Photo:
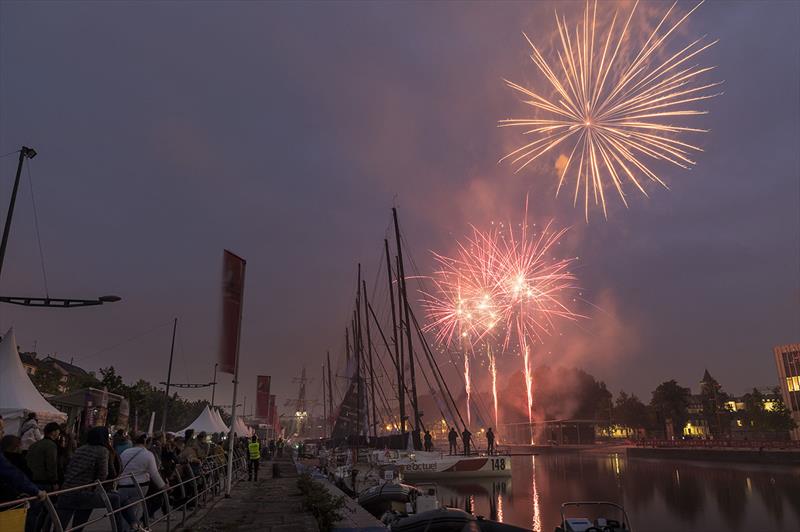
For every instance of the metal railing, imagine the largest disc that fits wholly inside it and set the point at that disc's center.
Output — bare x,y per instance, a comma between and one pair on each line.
721,443
192,493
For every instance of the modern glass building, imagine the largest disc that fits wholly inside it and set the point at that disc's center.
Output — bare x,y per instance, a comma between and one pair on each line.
787,359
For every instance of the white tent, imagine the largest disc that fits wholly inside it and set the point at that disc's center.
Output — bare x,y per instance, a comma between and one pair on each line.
222,426
205,422
240,428
18,395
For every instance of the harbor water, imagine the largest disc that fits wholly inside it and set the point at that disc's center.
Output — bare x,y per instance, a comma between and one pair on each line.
659,495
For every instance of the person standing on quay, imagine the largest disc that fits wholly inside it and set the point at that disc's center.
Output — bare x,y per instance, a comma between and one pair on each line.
254,451
452,437
490,441
467,437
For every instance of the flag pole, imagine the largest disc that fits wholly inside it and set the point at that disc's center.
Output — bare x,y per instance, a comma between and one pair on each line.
232,432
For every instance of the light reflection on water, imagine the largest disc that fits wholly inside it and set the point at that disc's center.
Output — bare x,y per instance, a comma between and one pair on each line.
659,495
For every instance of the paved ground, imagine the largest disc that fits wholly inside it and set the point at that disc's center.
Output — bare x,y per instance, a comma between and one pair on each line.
269,505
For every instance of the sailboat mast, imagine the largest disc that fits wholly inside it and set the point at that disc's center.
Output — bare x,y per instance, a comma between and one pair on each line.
330,396
371,369
359,353
324,405
398,355
404,291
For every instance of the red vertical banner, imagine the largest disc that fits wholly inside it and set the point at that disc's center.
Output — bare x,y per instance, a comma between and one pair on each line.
232,292
273,414
262,396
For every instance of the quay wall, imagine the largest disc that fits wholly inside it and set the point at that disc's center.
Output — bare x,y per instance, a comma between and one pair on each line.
749,456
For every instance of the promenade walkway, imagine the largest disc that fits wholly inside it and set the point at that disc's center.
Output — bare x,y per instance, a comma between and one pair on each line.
268,505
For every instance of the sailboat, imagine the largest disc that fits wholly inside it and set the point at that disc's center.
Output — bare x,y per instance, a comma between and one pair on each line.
354,423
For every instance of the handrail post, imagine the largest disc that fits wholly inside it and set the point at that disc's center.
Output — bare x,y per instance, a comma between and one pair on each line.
107,502
51,510
145,516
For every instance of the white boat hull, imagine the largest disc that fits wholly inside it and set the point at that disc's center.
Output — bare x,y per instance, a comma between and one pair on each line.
455,466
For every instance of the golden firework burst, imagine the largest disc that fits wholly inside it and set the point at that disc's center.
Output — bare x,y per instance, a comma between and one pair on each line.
613,116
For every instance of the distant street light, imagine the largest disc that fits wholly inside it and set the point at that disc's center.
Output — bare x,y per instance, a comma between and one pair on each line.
29,153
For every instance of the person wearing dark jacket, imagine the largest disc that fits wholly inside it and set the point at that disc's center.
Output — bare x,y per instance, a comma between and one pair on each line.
428,441
88,464
452,437
490,441
466,437
42,460
13,482
12,449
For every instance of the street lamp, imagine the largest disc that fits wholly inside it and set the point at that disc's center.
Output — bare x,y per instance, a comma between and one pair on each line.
29,153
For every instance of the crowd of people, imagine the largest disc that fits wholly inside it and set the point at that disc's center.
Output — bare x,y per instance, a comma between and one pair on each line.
37,461
466,439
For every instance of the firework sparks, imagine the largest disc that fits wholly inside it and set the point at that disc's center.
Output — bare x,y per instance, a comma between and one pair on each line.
611,116
501,282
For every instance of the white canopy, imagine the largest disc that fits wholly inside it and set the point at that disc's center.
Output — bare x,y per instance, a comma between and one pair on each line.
18,395
222,426
205,422
240,428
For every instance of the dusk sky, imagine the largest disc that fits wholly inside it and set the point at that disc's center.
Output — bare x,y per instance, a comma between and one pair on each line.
286,132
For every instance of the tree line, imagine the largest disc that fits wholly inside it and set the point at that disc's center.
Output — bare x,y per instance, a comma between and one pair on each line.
143,398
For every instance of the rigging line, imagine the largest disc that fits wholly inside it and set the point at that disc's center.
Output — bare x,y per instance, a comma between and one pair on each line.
38,235
380,386
386,343
9,153
132,338
432,390
444,389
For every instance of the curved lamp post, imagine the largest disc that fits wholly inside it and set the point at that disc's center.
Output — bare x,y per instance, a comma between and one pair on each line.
29,153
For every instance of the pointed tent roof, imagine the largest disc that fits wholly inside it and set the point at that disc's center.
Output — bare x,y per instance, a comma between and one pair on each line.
205,422
240,428
17,392
220,423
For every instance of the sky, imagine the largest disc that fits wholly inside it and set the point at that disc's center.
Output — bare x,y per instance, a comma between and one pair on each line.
285,132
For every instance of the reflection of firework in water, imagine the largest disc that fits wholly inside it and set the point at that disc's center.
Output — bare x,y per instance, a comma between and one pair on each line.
502,282
611,114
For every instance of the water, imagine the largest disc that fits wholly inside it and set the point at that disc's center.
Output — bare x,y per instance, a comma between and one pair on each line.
659,495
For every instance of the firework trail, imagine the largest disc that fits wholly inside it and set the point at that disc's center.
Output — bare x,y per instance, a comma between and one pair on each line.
467,386
493,370
613,115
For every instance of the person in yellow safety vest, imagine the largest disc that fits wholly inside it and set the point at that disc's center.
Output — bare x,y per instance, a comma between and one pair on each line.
254,451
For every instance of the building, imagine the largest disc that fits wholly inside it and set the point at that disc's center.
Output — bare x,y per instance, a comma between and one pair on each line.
787,360
696,425
29,362
65,370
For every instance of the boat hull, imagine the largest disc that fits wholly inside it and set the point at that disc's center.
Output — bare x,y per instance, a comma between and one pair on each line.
456,466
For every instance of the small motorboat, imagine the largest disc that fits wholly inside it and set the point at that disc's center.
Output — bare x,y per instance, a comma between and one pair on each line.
387,497
594,524
449,520
439,520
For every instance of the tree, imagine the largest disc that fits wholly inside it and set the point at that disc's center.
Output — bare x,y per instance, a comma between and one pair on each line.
47,379
670,401
715,411
779,419
629,411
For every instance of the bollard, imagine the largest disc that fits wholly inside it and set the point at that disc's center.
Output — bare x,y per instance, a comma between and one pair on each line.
276,471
